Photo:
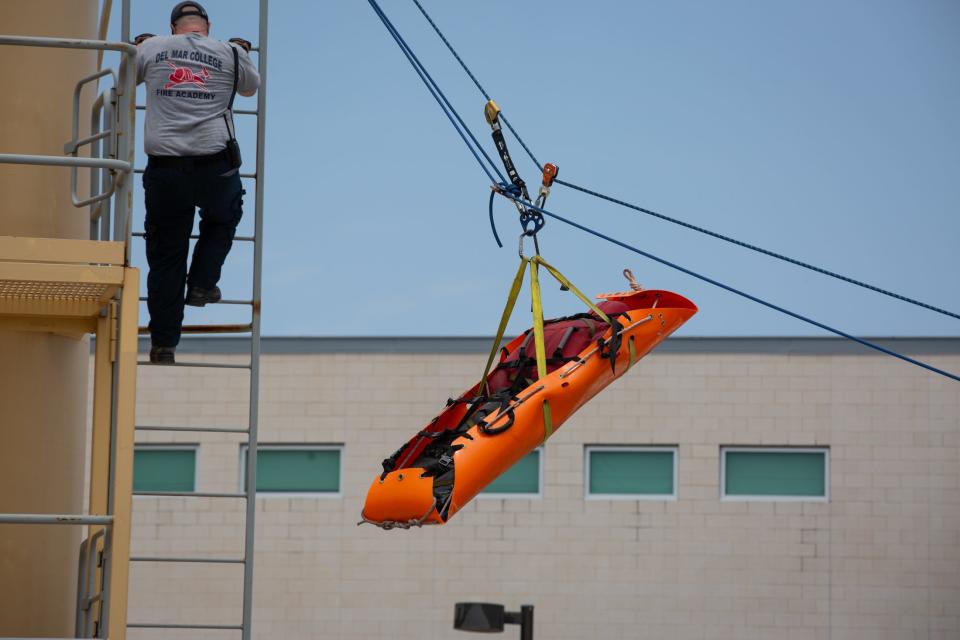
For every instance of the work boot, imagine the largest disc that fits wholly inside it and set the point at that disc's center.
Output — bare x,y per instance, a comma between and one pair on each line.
162,355
199,297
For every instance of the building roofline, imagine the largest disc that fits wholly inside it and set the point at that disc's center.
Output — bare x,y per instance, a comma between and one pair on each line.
282,345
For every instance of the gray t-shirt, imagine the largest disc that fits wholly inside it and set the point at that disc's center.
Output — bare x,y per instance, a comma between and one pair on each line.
189,81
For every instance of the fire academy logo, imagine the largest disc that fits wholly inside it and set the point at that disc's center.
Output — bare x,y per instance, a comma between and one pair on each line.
184,75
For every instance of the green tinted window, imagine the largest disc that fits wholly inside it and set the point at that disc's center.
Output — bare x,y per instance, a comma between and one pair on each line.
775,473
523,477
164,469
298,470
630,472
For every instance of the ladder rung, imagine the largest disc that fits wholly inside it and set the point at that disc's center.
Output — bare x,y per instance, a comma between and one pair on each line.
204,560
158,625
246,302
191,429
51,518
141,234
188,494
242,175
208,328
203,365
236,112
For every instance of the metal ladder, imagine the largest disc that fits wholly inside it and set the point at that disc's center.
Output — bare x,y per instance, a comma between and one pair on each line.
253,329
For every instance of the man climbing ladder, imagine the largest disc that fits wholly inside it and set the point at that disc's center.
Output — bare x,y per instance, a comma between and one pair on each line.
193,162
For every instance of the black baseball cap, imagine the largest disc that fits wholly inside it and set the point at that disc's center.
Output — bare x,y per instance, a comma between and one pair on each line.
179,11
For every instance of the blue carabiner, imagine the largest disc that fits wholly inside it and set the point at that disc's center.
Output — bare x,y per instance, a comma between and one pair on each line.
531,221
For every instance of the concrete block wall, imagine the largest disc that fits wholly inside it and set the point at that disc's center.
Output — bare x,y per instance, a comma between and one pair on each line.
881,559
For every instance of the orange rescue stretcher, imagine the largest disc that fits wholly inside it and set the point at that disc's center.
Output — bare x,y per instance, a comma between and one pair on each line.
515,407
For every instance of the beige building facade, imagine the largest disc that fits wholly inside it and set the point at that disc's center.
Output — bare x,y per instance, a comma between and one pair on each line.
874,553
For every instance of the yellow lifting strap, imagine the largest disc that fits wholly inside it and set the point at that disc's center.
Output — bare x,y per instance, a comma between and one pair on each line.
547,420
504,319
537,307
569,285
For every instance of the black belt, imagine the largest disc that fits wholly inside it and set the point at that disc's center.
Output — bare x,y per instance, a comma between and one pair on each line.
187,162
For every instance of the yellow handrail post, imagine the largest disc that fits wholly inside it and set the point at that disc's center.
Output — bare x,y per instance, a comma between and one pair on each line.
125,407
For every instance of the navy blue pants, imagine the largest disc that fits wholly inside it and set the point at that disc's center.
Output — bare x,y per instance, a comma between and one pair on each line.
174,189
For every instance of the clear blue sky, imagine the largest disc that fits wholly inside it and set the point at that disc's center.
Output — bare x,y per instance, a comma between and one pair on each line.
827,131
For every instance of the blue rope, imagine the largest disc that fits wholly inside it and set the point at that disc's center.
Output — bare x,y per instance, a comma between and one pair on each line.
438,95
661,216
765,252
520,140
477,83
743,294
493,225
452,50
516,198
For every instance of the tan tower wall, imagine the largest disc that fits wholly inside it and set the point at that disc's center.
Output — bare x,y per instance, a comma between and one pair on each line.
43,377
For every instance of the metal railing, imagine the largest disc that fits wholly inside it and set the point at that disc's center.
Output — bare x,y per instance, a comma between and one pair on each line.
101,116
118,106
91,558
96,135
